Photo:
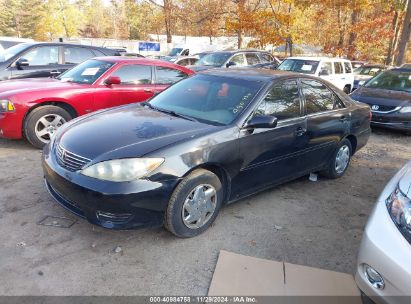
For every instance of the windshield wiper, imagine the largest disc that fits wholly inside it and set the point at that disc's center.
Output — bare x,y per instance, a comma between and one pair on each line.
170,112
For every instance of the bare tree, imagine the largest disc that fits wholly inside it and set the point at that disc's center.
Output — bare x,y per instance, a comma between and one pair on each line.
405,35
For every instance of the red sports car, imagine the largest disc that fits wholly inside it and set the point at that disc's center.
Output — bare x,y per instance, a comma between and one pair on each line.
35,108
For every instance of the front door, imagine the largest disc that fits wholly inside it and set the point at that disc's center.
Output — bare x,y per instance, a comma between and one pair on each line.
327,122
42,62
136,86
272,155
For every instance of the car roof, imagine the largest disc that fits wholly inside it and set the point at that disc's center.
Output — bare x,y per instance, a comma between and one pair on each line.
238,51
66,44
316,58
401,70
138,60
251,73
373,66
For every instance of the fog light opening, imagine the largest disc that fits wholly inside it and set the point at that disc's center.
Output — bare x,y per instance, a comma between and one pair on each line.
373,277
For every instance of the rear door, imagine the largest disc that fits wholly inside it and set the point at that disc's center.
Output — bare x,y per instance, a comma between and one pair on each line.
73,55
328,122
42,61
272,155
136,86
166,76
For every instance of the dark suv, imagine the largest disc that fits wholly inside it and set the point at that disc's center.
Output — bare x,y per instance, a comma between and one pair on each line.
237,58
38,59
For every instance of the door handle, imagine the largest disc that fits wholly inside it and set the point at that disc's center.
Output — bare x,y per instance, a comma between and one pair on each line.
300,131
148,91
55,72
343,118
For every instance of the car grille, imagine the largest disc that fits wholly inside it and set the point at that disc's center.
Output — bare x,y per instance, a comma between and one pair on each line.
70,161
382,108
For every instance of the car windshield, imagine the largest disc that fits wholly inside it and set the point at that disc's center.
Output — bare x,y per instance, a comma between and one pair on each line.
214,59
367,71
87,72
12,51
215,100
175,51
299,66
392,80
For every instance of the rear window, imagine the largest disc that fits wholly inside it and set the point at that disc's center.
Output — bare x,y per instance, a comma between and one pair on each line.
347,67
299,66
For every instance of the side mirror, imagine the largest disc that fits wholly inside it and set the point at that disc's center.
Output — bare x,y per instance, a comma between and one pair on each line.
230,64
324,73
112,80
22,63
262,122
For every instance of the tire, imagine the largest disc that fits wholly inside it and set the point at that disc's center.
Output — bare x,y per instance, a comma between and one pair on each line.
332,171
36,123
177,216
347,89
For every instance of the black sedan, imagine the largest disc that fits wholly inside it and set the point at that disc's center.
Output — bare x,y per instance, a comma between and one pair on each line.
205,142
389,96
45,59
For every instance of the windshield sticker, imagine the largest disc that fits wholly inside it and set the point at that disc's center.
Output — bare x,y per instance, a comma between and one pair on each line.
90,72
242,103
306,67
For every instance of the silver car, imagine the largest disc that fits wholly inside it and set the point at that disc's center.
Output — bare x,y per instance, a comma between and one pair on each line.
384,261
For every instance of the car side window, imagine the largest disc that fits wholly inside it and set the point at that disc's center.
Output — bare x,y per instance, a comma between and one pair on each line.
338,68
238,59
134,74
283,101
252,58
326,66
75,55
347,67
168,75
318,97
42,55
265,58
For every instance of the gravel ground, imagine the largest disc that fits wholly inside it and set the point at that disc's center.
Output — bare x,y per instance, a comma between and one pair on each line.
316,224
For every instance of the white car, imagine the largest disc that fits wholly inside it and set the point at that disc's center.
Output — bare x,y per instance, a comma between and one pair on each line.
384,260
337,71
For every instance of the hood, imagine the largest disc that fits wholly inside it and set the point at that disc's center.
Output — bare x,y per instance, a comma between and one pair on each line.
129,131
405,182
12,87
198,68
382,97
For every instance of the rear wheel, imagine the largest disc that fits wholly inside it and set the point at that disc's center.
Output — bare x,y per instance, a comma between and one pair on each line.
194,204
340,160
42,123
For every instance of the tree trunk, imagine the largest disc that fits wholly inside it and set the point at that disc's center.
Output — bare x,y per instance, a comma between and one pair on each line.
239,39
353,35
167,19
405,35
391,47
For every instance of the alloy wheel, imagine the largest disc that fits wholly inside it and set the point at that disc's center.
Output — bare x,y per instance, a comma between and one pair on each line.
342,159
199,206
47,125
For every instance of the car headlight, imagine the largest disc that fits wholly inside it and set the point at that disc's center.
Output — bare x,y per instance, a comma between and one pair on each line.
6,106
399,208
123,170
405,109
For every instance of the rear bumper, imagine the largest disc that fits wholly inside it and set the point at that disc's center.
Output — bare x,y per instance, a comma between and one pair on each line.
10,125
129,205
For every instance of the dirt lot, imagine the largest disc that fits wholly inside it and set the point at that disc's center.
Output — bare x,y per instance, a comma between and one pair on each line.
311,223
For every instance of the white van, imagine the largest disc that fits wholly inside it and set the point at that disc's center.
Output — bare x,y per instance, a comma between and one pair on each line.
335,70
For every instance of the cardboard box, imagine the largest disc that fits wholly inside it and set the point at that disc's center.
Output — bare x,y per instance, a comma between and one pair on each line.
239,275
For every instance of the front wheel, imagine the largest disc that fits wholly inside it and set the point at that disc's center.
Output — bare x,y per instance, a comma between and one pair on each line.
42,123
194,204
340,160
